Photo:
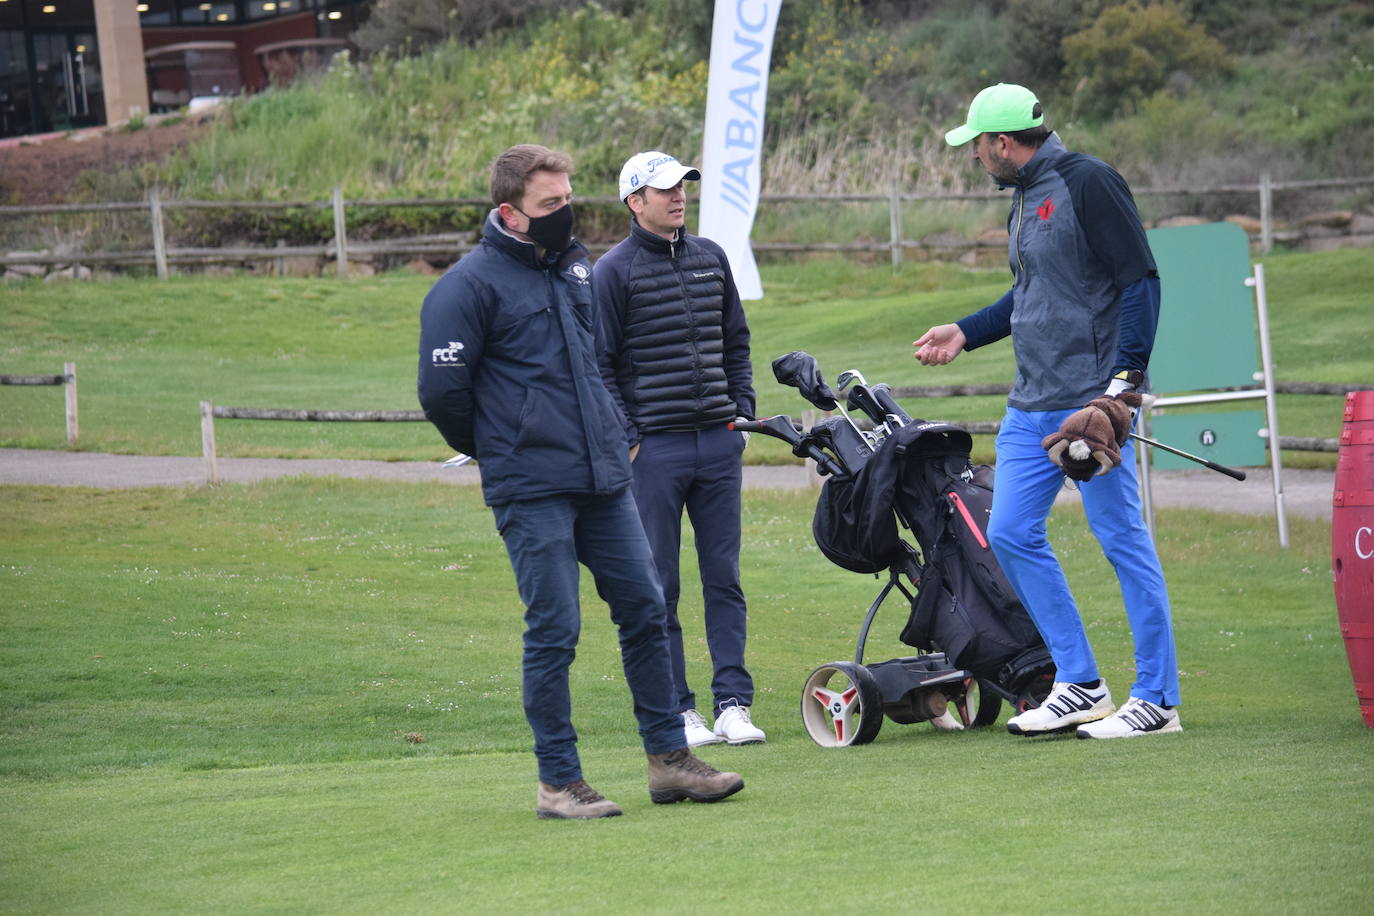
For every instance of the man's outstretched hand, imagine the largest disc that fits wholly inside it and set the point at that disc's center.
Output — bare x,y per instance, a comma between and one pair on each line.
939,345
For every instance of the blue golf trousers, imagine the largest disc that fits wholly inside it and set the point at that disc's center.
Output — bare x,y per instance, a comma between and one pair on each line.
1026,485
546,539
700,471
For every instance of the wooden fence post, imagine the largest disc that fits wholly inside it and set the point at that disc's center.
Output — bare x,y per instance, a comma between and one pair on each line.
69,385
159,240
894,220
340,234
1266,193
207,442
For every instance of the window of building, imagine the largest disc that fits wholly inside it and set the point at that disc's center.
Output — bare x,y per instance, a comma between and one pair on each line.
156,12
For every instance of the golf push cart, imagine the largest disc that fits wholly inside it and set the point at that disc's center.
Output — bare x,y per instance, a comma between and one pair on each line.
976,644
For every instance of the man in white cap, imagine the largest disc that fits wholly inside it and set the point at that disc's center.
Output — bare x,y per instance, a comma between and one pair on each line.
674,350
1081,314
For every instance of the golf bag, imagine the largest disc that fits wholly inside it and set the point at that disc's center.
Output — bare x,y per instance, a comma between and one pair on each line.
978,647
964,606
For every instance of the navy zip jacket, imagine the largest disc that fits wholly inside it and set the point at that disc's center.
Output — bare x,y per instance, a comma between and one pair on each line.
1085,301
674,343
508,372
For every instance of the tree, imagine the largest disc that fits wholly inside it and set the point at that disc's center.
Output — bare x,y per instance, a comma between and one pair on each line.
1036,37
1132,51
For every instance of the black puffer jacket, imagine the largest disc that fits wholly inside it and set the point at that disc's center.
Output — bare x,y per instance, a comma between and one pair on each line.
672,337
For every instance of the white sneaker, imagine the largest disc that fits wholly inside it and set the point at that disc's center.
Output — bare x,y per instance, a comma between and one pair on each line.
698,735
1066,706
734,725
1138,717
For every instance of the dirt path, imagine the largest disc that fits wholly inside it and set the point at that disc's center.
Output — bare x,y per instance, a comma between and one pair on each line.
1307,493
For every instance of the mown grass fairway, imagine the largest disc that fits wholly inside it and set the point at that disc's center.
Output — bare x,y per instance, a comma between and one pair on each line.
303,696
207,697
147,353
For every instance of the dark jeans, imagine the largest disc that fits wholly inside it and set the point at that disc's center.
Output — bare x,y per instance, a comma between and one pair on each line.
699,471
546,539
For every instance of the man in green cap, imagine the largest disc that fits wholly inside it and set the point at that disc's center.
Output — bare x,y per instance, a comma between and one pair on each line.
1081,314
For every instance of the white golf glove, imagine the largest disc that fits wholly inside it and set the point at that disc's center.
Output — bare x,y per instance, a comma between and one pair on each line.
743,433
1129,381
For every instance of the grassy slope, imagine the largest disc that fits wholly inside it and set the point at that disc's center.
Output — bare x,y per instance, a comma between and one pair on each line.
148,352
207,693
858,99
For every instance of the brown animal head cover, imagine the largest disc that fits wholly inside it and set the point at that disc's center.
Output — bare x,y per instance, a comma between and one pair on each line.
1089,440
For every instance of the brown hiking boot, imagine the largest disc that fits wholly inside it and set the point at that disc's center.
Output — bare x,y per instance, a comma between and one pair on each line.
677,775
575,800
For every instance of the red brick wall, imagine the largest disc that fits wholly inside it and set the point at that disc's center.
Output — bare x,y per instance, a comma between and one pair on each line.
248,36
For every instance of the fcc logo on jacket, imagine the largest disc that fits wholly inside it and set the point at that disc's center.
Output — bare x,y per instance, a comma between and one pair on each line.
451,356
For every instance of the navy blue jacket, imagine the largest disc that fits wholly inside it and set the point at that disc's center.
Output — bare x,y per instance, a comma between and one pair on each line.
508,372
674,343
1085,301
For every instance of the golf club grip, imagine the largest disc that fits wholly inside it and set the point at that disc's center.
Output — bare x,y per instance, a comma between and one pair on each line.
826,465
1212,465
882,393
800,447
861,399
1229,472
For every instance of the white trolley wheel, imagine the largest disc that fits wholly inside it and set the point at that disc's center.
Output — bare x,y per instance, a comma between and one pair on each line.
976,706
841,705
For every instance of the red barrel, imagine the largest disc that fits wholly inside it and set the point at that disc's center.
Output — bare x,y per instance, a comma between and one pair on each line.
1352,544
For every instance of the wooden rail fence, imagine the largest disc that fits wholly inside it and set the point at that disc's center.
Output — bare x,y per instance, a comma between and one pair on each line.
340,249
209,412
67,379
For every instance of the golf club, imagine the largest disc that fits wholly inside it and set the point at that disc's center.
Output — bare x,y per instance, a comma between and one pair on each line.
781,427
1221,468
882,393
877,402
850,375
799,370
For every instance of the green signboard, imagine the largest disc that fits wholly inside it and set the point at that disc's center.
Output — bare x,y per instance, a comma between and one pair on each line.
1208,339
1207,336
1231,438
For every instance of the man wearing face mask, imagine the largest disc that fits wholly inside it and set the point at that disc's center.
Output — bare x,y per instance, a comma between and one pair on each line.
508,374
674,351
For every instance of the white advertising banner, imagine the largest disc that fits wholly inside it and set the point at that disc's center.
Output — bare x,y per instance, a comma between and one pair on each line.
741,47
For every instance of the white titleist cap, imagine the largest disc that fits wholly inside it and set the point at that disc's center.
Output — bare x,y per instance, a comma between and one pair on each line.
655,169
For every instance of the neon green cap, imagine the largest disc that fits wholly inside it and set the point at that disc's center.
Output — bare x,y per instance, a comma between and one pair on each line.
1001,109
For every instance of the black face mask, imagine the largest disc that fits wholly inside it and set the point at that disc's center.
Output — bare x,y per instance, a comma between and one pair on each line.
552,231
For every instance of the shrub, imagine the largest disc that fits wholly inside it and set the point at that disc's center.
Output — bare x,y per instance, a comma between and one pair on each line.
1037,29
1313,110
1170,141
412,26
1131,52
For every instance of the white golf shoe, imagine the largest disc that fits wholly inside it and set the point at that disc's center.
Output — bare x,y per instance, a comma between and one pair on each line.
698,735
734,726
1137,718
1067,706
